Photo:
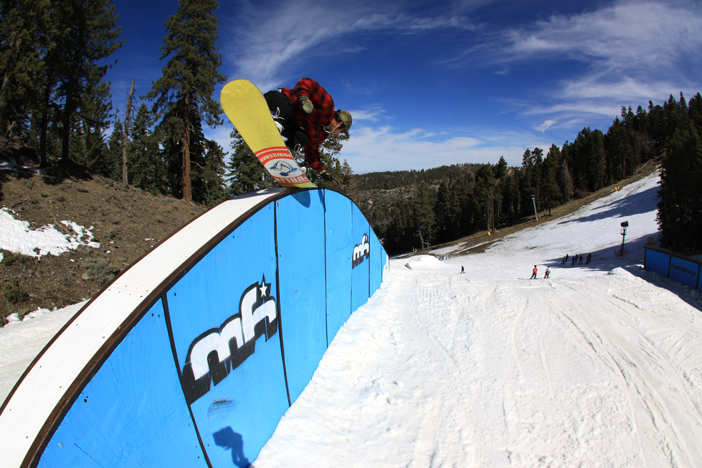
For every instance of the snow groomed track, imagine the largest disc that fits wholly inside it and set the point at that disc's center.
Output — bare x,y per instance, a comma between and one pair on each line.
192,356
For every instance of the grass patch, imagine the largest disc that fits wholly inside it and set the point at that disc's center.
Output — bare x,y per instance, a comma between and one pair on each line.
15,294
100,270
10,258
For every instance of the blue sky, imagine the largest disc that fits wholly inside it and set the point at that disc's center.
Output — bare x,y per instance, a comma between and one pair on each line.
436,83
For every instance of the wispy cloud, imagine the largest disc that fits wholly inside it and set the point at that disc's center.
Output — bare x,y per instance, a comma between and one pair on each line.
546,124
272,40
371,113
627,38
632,52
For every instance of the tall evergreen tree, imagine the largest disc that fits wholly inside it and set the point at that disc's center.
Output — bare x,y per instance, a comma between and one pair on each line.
21,63
328,152
245,173
443,213
551,195
680,206
89,35
95,107
183,93
145,164
208,181
695,112
108,164
486,197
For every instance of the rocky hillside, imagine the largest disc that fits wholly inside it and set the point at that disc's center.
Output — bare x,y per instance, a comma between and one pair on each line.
126,222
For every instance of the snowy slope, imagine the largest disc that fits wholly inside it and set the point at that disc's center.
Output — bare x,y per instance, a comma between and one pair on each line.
600,365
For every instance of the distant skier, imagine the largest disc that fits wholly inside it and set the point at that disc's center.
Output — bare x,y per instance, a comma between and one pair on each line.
534,272
462,269
589,258
548,272
305,116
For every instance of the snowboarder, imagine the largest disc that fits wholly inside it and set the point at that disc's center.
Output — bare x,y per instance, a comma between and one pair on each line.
305,116
548,272
462,269
534,272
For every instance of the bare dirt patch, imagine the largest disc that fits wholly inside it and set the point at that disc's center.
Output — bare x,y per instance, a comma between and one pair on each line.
125,221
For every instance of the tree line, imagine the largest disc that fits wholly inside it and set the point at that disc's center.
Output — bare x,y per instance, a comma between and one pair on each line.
53,99
495,195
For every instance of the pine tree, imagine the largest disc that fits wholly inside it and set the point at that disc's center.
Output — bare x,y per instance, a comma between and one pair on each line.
21,63
565,181
328,151
245,173
509,194
145,164
184,92
423,212
695,112
551,195
680,207
108,164
442,210
486,196
95,107
88,36
208,182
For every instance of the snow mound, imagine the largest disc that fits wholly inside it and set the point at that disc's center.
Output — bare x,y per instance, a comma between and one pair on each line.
427,262
18,237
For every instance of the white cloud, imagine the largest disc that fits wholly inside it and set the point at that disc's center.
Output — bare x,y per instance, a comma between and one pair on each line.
373,149
545,125
371,113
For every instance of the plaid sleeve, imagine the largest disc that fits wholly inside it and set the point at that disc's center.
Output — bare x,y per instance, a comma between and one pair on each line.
313,123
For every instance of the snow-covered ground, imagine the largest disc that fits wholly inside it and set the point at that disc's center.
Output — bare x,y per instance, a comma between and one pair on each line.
599,365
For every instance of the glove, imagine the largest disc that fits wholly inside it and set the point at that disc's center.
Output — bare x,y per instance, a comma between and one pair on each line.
325,175
307,105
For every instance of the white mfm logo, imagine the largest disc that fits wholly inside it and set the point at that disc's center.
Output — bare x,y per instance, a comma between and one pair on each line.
361,251
233,342
240,328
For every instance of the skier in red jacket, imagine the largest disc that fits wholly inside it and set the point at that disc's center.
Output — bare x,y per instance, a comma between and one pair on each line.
305,116
534,272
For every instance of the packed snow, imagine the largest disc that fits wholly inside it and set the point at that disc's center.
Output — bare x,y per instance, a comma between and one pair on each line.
18,236
598,365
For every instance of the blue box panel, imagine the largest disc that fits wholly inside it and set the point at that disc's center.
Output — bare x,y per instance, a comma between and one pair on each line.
360,279
684,271
225,323
338,228
121,414
657,262
238,416
301,270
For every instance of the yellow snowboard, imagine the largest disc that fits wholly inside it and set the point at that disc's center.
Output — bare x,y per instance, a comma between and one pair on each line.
247,109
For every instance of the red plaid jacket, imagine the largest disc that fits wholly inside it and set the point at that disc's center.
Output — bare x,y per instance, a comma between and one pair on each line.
312,123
